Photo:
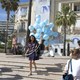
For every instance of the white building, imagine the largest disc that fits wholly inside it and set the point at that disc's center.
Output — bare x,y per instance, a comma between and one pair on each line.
48,10
56,5
42,8
21,19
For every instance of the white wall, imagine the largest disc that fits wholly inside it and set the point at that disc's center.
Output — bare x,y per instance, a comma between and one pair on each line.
42,7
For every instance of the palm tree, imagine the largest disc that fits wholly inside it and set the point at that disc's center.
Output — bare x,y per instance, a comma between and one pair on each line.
65,18
29,19
8,5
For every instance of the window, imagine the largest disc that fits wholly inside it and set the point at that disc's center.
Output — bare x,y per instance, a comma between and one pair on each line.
22,28
23,11
77,7
55,50
61,50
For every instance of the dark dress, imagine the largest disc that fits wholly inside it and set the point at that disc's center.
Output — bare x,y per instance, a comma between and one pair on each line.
32,47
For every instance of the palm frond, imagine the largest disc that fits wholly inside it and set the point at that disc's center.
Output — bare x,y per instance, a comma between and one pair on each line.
66,17
65,9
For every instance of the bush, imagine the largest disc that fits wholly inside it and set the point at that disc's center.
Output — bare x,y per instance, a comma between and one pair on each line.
9,44
2,46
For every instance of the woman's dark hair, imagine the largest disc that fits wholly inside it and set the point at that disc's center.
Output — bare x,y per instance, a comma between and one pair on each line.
29,40
78,42
75,53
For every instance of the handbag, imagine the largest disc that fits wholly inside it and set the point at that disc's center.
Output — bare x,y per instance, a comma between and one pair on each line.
68,76
37,52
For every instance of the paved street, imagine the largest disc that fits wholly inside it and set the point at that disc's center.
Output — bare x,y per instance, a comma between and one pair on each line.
16,67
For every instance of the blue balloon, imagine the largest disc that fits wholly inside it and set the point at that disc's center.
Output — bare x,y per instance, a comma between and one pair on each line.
46,43
55,34
37,35
50,33
42,24
51,25
45,37
36,26
46,21
46,30
38,19
39,30
38,40
31,28
38,16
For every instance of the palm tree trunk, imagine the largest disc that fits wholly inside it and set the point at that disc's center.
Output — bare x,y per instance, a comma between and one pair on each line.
29,20
64,45
6,35
68,49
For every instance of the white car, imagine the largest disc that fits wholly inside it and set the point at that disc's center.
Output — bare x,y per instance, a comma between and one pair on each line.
2,43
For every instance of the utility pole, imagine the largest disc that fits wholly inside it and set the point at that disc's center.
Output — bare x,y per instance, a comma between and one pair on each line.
29,20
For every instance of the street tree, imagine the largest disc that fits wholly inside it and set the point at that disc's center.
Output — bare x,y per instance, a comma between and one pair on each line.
8,5
65,18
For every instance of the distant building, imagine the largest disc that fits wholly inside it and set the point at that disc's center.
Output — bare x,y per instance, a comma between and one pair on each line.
10,27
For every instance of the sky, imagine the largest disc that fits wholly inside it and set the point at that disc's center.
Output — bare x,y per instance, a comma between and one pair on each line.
3,12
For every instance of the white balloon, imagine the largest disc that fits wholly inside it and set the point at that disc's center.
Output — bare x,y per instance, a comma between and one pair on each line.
31,28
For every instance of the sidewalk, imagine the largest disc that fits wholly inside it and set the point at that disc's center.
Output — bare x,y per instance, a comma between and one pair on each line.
16,67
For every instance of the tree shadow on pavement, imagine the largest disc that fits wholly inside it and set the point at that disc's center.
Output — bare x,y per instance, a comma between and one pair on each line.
55,69
16,77
7,76
5,69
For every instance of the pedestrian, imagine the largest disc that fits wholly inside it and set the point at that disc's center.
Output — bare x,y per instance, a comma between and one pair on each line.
14,44
75,61
31,46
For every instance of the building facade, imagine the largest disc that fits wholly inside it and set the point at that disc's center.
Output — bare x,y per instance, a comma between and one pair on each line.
21,20
56,5
42,8
10,27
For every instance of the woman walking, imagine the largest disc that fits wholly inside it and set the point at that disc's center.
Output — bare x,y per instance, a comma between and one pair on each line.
31,46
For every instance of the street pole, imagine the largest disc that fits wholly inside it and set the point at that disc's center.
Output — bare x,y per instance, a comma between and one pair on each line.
64,44
29,20
5,42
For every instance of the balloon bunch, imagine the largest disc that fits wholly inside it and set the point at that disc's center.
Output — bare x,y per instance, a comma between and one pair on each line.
43,30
